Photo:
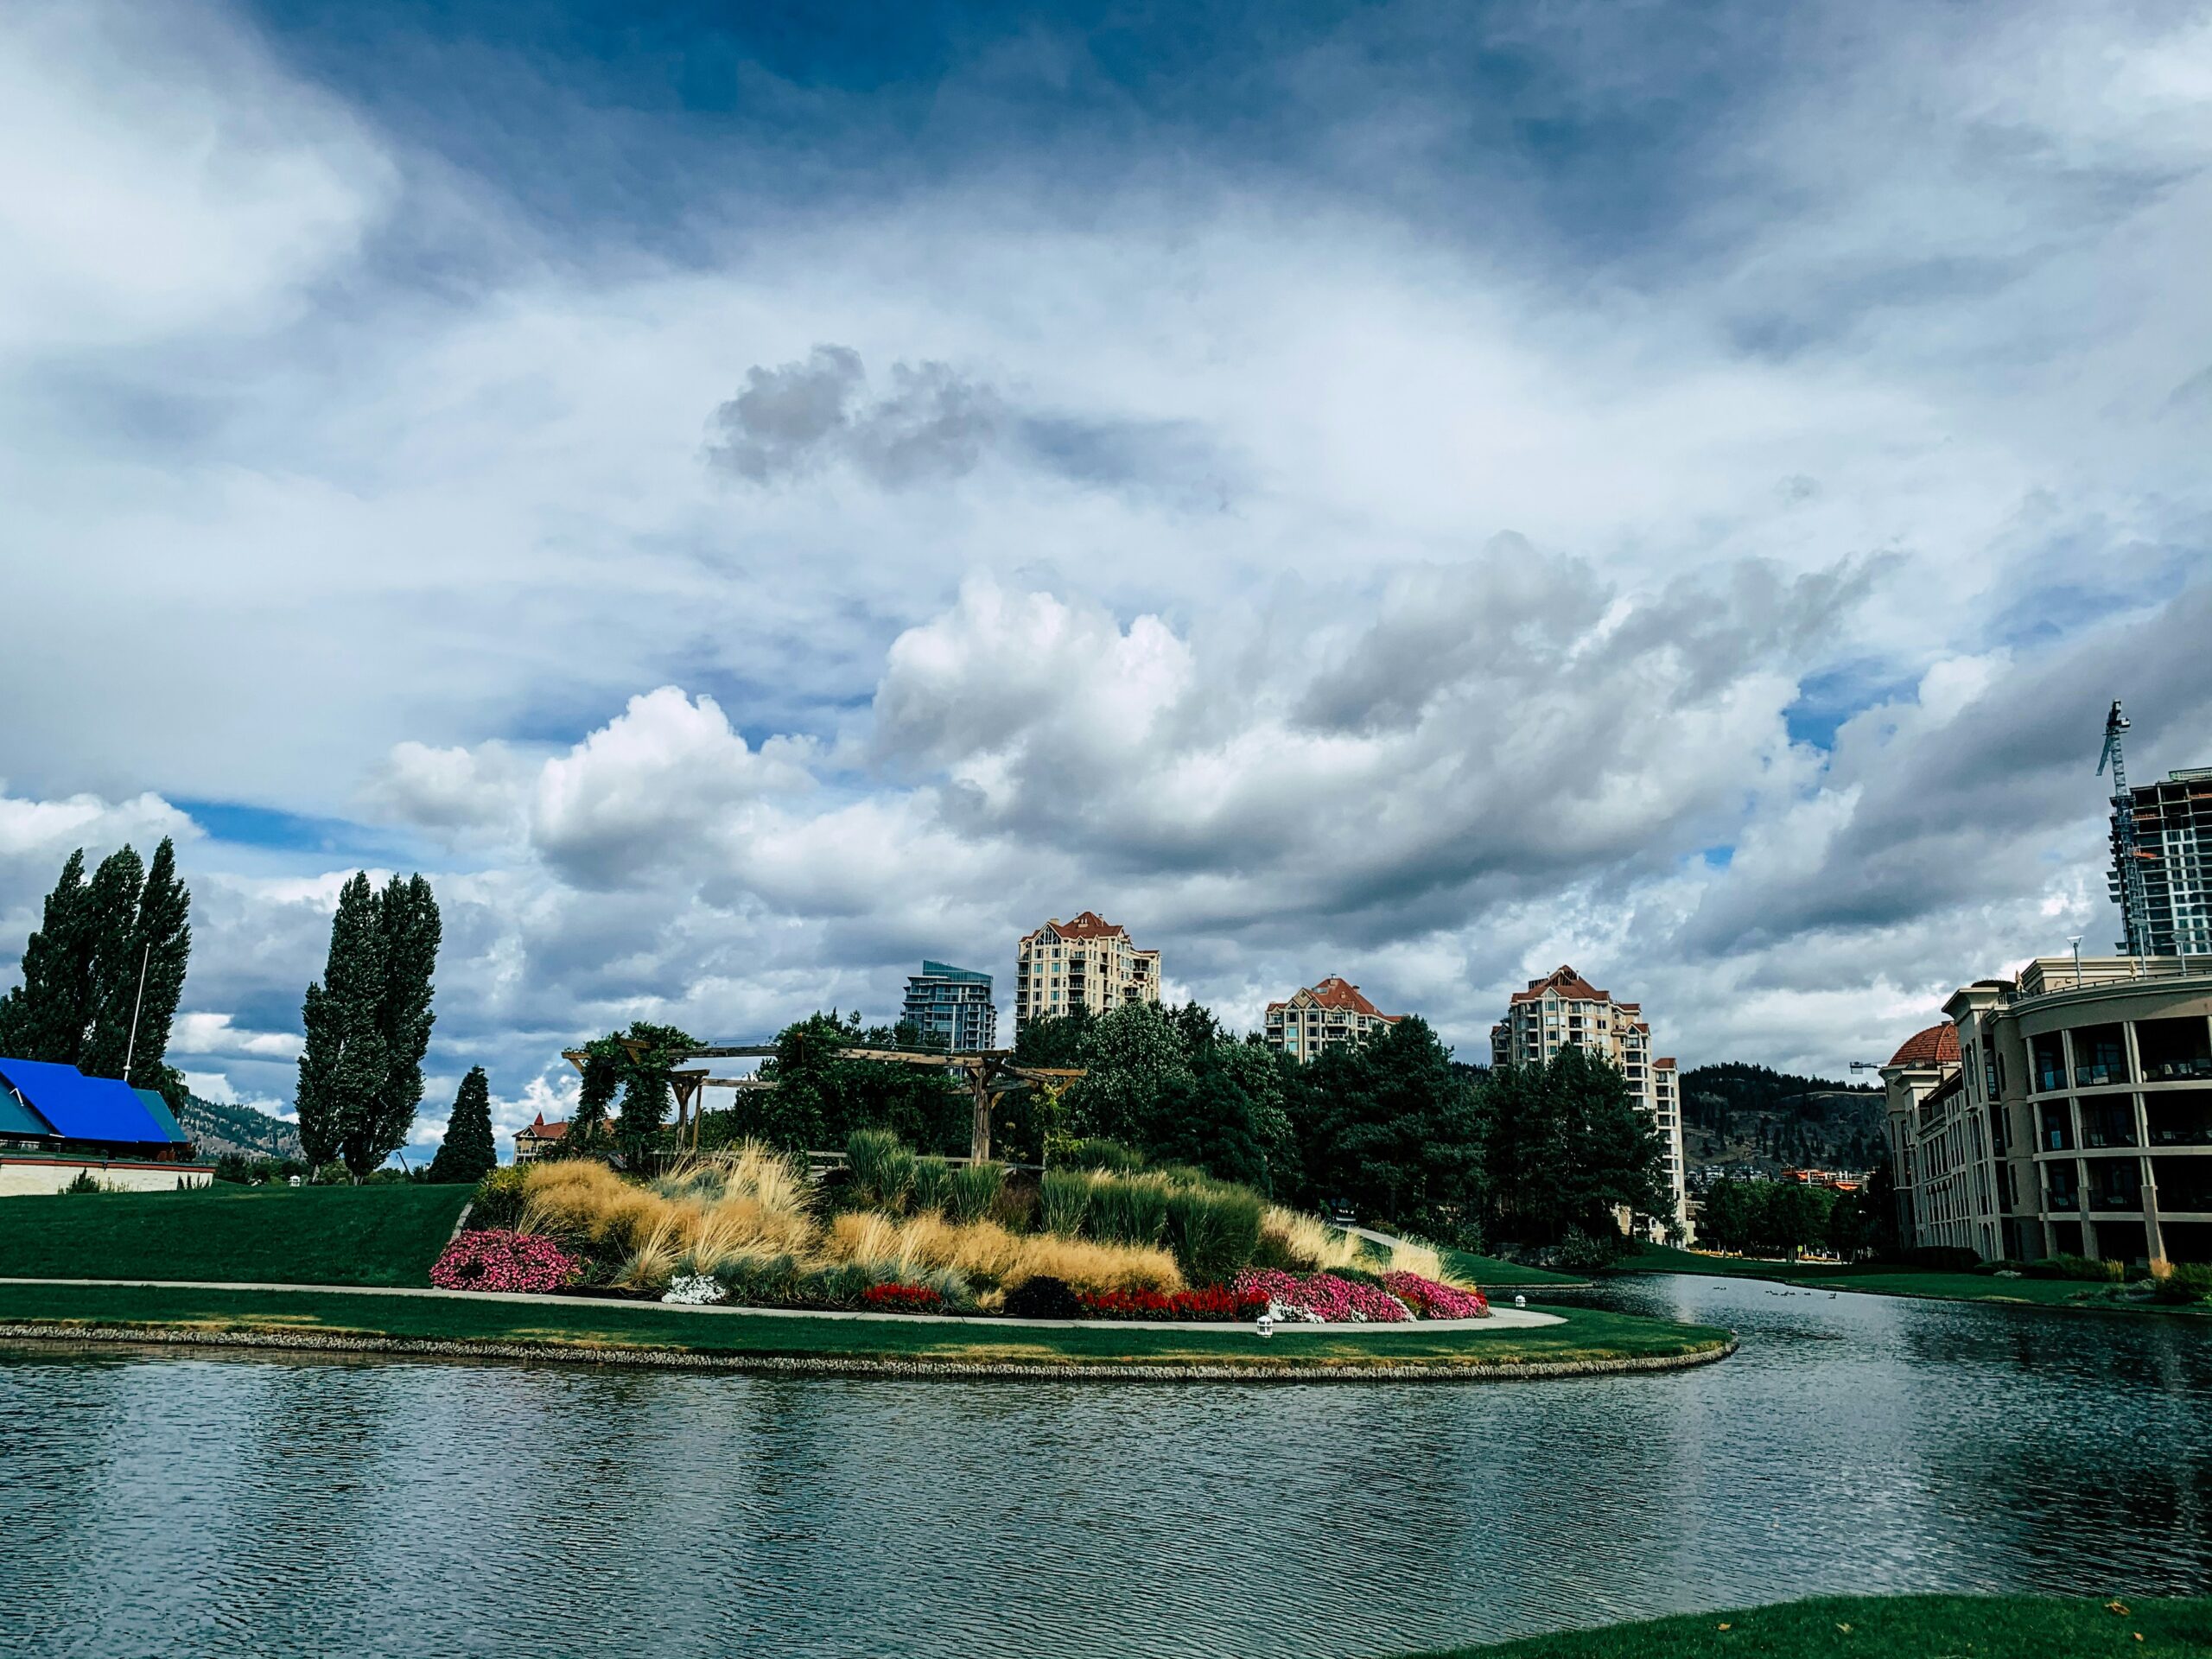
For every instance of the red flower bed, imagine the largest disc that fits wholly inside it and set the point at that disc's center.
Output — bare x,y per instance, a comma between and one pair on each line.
902,1299
498,1260
1214,1302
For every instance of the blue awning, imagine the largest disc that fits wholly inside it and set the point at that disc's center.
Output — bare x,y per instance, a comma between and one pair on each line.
81,1108
158,1109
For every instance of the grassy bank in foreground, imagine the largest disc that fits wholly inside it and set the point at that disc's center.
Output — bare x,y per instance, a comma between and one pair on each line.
1896,1627
1585,1336
382,1234
1887,1279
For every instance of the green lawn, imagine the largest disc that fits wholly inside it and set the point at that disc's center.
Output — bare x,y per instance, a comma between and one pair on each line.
1896,1627
1887,1279
1488,1270
1586,1335
380,1234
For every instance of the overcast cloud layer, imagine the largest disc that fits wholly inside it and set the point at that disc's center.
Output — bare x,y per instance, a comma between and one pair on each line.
1419,493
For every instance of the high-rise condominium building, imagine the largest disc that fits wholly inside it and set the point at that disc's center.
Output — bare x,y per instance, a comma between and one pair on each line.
953,1004
1327,1015
2065,1111
1087,963
1565,1009
2173,850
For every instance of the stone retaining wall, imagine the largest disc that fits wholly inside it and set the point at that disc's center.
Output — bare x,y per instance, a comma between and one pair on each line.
776,1366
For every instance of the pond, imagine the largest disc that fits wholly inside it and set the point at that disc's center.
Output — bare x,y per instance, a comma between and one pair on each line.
254,1505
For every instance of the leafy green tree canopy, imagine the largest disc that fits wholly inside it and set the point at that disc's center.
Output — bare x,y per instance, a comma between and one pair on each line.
468,1152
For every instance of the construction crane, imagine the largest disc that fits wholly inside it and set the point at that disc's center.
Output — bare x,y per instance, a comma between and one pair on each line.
2134,907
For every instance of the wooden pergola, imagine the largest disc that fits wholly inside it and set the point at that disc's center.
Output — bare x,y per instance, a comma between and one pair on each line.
986,1074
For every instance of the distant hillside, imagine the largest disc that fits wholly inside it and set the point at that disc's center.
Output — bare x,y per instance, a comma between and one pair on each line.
218,1129
1738,1114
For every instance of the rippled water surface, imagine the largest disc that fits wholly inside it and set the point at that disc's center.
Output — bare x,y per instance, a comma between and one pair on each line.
253,1505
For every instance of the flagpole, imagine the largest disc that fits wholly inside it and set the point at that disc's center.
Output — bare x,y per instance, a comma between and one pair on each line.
131,1049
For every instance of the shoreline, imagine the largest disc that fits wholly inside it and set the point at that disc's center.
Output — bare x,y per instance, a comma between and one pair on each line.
1235,1370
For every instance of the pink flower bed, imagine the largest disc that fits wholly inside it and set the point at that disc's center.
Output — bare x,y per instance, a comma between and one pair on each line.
498,1260
1434,1302
1319,1298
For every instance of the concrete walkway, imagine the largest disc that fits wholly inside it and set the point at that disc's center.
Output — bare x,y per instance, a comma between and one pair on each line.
1501,1319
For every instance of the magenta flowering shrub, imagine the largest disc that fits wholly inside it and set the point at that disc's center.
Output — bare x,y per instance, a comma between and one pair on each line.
498,1260
1432,1301
1319,1298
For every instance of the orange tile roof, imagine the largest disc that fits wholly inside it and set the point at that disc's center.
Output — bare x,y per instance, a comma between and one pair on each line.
1565,981
1937,1045
539,1129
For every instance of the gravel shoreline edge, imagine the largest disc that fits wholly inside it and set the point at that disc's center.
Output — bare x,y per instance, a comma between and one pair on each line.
787,1366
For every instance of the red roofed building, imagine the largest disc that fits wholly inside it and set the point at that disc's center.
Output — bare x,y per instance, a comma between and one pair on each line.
1564,1010
1088,963
1327,1015
537,1137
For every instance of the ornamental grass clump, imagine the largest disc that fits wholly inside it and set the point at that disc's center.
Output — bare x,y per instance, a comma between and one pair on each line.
498,1259
975,1188
1432,1298
1304,1244
933,1184
1127,1210
986,1254
1213,1230
883,1169
1063,1198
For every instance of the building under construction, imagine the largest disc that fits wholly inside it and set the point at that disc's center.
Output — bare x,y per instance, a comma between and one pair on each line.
2161,839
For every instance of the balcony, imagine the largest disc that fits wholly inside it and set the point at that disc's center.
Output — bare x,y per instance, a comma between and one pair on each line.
2098,1076
2109,1123
2049,1078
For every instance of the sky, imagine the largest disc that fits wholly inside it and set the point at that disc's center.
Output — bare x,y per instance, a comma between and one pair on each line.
745,498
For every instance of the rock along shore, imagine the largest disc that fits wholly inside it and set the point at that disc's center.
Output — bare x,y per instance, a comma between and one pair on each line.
785,1365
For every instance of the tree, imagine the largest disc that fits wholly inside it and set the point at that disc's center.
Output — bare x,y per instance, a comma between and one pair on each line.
1847,1225
468,1152
821,1096
1225,1114
107,951
1564,1149
1390,1126
346,1065
1135,1060
407,920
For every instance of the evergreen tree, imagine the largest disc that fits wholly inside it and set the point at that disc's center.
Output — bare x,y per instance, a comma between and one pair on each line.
82,969
163,939
407,918
1390,1127
42,1019
346,1067
468,1152
111,980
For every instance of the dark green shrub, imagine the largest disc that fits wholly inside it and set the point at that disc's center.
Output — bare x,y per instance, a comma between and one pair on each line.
1213,1232
85,1181
883,1169
1943,1258
974,1189
1125,1211
498,1203
1098,1153
1273,1254
1043,1298
932,1182
1581,1252
1063,1198
2077,1267
2186,1281
1359,1276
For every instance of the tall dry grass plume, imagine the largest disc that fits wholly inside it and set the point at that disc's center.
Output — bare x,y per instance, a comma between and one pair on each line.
987,1252
1308,1240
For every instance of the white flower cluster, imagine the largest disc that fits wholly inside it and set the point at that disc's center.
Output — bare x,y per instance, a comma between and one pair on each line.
1292,1313
694,1289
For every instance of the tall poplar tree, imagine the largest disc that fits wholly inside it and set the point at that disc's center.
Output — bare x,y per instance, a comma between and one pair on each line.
408,918
468,1152
83,970
345,1069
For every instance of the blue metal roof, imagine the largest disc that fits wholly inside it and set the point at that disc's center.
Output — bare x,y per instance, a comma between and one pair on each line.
82,1108
158,1109
16,1118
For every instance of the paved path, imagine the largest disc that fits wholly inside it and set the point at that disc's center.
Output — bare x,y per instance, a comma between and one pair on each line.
1501,1319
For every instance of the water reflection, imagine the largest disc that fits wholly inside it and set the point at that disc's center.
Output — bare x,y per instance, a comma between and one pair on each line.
258,1505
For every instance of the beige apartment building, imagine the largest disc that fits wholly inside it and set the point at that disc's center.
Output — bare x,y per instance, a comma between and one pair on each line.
1087,963
1323,1016
1564,1008
2067,1110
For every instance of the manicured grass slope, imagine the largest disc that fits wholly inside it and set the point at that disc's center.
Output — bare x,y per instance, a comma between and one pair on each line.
1586,1335
1487,1270
1898,1627
1888,1279
382,1235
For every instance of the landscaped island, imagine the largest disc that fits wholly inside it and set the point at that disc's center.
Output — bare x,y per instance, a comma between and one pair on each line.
745,1260
1895,1627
